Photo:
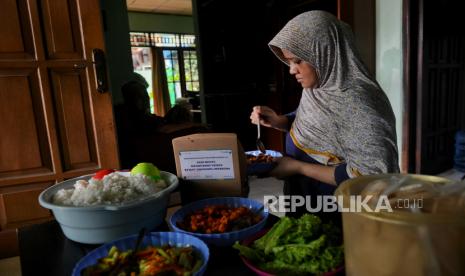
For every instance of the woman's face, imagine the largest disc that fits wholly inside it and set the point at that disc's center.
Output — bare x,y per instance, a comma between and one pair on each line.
302,70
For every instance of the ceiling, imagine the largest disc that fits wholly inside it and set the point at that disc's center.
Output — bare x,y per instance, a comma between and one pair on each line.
182,7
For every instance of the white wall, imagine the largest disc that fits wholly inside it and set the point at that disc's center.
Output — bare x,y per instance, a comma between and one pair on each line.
160,23
389,56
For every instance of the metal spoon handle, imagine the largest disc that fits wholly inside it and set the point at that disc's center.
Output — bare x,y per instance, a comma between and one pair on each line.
258,130
140,237
131,265
259,210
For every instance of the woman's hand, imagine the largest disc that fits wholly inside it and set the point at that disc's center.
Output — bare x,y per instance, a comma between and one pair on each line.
286,166
268,117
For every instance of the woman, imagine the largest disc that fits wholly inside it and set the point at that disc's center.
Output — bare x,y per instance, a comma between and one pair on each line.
344,125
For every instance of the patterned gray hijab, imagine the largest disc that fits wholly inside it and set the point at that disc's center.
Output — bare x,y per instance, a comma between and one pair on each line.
348,117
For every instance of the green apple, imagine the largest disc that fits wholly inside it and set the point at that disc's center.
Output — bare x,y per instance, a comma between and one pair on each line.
147,169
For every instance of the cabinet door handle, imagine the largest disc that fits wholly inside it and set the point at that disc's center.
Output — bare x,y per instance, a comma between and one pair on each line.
79,66
100,69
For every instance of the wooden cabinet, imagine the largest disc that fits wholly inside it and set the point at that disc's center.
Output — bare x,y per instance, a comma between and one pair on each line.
20,205
54,125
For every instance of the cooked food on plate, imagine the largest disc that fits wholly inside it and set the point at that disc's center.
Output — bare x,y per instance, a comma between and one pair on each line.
260,158
213,219
164,260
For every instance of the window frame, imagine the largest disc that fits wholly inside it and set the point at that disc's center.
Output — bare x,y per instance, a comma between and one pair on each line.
182,71
147,39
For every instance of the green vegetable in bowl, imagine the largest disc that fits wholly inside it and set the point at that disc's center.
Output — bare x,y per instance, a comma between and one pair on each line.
153,260
297,247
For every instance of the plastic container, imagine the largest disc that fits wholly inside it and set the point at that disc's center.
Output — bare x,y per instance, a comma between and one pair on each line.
104,223
262,168
401,242
156,239
259,272
223,239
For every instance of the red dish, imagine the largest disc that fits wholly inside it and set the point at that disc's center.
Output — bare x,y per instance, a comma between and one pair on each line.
259,272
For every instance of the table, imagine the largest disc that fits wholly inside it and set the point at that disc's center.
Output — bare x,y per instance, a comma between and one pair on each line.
44,250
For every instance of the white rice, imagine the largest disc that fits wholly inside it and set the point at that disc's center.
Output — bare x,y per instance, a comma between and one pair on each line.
114,188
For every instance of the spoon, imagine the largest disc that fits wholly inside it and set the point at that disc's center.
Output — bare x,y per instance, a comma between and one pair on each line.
131,264
259,210
246,221
260,145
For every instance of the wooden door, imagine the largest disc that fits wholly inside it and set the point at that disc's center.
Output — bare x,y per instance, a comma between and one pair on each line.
439,102
54,125
434,72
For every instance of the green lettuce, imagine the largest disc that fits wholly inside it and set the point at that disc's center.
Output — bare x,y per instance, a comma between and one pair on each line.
271,239
298,253
297,247
254,255
305,228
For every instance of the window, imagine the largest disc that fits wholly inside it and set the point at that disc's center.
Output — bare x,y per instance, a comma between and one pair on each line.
191,71
172,74
142,64
180,60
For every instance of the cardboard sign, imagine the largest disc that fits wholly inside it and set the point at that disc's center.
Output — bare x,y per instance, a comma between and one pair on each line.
206,164
210,165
